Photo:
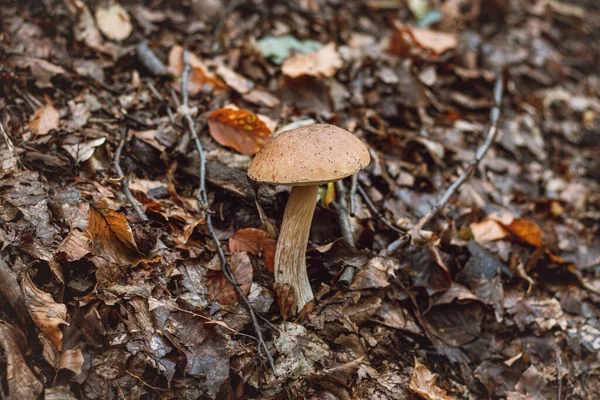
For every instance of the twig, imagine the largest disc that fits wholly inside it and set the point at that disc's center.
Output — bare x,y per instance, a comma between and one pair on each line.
471,167
347,275
11,147
558,362
124,181
152,63
202,197
352,194
160,98
375,211
481,152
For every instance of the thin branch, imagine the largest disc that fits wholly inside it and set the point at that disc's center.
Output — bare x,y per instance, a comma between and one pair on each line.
352,194
481,152
202,197
375,211
149,59
162,100
10,146
124,181
466,174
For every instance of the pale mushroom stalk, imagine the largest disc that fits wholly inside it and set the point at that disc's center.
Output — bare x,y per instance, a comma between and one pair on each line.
304,158
290,256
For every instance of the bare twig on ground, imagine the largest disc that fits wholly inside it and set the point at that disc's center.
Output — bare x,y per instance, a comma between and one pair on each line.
375,211
9,145
352,195
471,167
124,181
152,63
202,197
347,275
162,100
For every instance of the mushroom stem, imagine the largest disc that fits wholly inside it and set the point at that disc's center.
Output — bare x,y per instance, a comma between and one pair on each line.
290,256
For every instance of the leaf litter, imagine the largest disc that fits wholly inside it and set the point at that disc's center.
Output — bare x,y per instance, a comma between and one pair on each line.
496,297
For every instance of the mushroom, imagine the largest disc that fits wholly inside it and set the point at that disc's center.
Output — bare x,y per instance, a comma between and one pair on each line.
304,158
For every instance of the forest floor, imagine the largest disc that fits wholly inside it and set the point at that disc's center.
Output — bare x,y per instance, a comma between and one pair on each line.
111,295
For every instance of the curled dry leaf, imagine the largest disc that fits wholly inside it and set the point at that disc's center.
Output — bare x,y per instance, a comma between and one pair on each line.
423,384
299,350
114,22
199,76
322,63
256,242
83,151
44,120
76,245
47,314
234,80
42,70
111,235
22,383
239,129
72,360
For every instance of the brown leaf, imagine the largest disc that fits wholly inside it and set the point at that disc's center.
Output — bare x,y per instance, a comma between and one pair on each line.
239,129
44,120
525,230
42,70
114,22
256,242
234,80
72,360
260,96
406,38
423,384
85,30
199,76
223,291
59,393
76,245
47,314
373,275
111,235
22,383
286,298
488,230
323,63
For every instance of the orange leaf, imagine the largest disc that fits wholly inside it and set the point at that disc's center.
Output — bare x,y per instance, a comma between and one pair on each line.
199,76
406,38
44,120
239,129
111,235
527,231
255,241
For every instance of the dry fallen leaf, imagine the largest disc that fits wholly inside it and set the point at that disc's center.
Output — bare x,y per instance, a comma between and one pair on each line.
407,37
239,129
42,70
223,291
114,22
76,245
47,314
322,63
83,151
22,383
423,384
44,120
200,75
500,227
111,235
488,230
85,30
234,80
72,360
255,241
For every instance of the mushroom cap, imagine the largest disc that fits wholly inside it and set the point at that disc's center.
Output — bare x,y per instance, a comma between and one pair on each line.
309,155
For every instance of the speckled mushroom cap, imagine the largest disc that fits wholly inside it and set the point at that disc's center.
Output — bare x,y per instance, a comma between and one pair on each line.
309,155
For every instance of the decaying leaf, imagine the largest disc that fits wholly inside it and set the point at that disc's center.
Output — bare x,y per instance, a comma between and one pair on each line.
47,314
76,245
234,80
239,129
406,38
219,287
42,70
85,30
299,350
322,63
114,22
500,227
200,75
255,241
423,384
111,235
22,383
85,150
44,120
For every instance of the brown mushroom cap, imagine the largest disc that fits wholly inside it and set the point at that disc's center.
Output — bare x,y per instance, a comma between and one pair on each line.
309,155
